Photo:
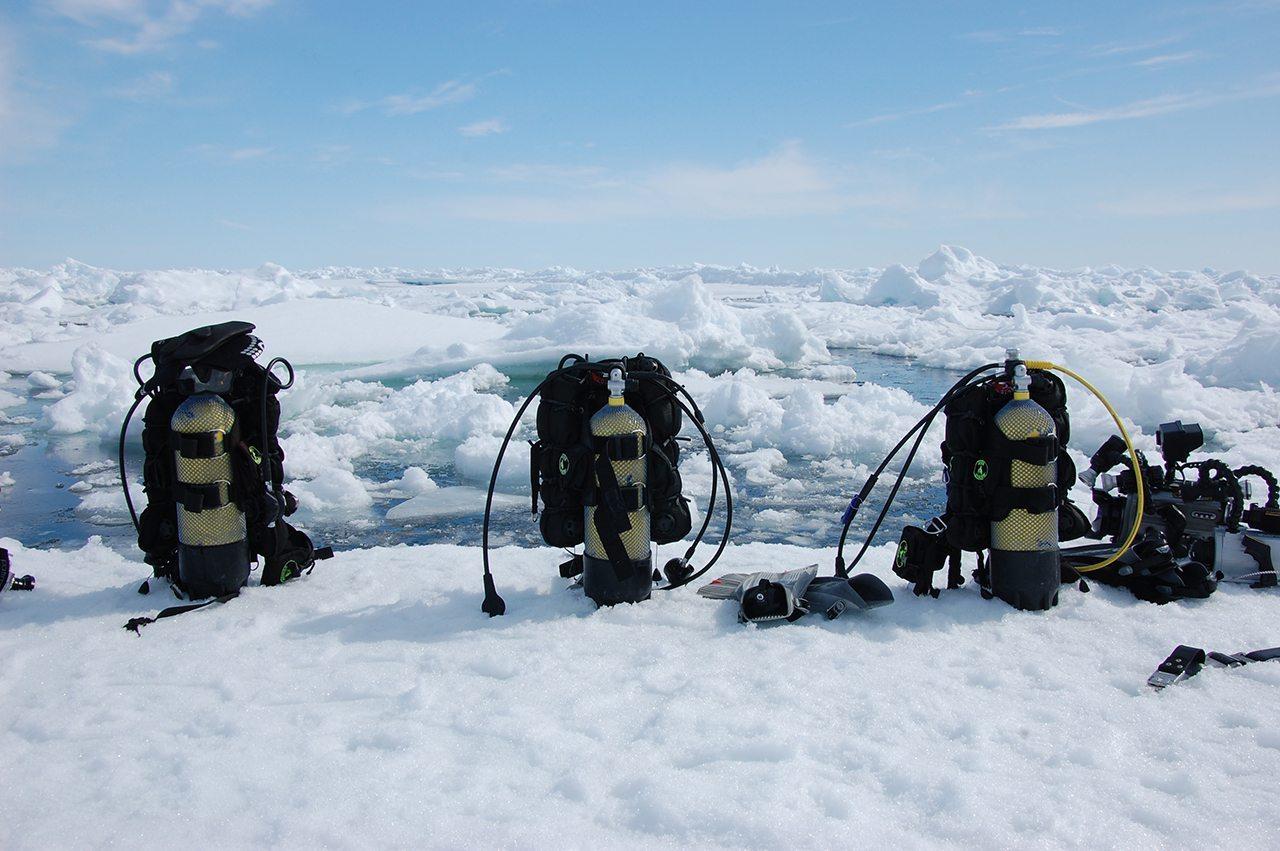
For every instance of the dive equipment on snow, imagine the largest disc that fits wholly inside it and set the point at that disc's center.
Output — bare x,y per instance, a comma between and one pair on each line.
606,468
1007,481
214,468
9,582
1199,507
1149,569
1185,662
213,545
617,563
1023,568
788,596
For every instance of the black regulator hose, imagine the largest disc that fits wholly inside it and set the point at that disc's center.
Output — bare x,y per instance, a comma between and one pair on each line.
717,470
493,604
141,394
920,429
268,468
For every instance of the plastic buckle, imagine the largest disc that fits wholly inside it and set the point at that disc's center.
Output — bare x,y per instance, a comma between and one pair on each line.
1183,663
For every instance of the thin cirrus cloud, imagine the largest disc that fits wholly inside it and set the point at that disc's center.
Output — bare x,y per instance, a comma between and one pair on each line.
887,117
1162,105
784,183
1192,205
154,86
487,127
448,93
142,30
1165,59
27,123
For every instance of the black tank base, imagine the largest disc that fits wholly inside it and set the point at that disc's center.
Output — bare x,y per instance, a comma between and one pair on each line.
1026,580
213,571
601,583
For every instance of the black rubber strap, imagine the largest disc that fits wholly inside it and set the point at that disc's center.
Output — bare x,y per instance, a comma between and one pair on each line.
611,520
621,447
206,444
1033,450
196,498
135,625
1033,500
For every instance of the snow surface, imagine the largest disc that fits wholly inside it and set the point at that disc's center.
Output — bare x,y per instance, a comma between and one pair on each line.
371,703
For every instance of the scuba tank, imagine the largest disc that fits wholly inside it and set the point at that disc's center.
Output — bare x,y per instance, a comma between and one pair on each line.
1024,570
1008,477
213,536
617,563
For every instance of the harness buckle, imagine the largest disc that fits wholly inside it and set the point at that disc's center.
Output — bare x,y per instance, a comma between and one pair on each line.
1183,662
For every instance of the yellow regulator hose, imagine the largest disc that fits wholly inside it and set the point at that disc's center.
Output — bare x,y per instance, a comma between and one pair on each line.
1133,461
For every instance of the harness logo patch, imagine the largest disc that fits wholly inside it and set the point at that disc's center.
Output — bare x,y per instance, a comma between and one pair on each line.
980,470
564,463
902,555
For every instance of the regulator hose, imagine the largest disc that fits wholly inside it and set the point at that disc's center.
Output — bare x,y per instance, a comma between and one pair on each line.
919,429
1139,485
142,393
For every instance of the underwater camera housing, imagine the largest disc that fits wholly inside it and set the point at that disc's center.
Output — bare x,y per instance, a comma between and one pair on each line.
1200,507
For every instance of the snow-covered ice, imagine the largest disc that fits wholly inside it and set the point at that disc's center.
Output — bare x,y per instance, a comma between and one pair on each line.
372,703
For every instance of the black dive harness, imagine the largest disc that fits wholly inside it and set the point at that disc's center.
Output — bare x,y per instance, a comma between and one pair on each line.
613,501
216,362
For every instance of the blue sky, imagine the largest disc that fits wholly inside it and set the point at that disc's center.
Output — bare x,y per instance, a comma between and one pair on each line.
227,133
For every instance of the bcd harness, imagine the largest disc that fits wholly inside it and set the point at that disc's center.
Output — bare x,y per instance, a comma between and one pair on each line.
981,464
573,471
977,460
213,460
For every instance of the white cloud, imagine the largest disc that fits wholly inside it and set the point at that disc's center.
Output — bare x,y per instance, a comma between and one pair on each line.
1163,105
26,124
1192,204
487,127
1120,48
445,94
921,110
241,154
146,26
1168,59
784,183
997,36
235,155
153,86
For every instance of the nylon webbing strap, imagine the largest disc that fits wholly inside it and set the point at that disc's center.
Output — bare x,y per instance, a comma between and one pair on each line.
1034,500
206,444
135,625
1034,450
611,520
620,447
197,498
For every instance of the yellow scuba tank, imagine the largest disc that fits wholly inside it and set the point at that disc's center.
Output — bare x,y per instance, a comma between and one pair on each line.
213,547
617,564
1024,567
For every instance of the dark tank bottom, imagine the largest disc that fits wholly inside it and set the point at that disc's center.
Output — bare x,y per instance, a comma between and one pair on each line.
1026,580
601,583
213,571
